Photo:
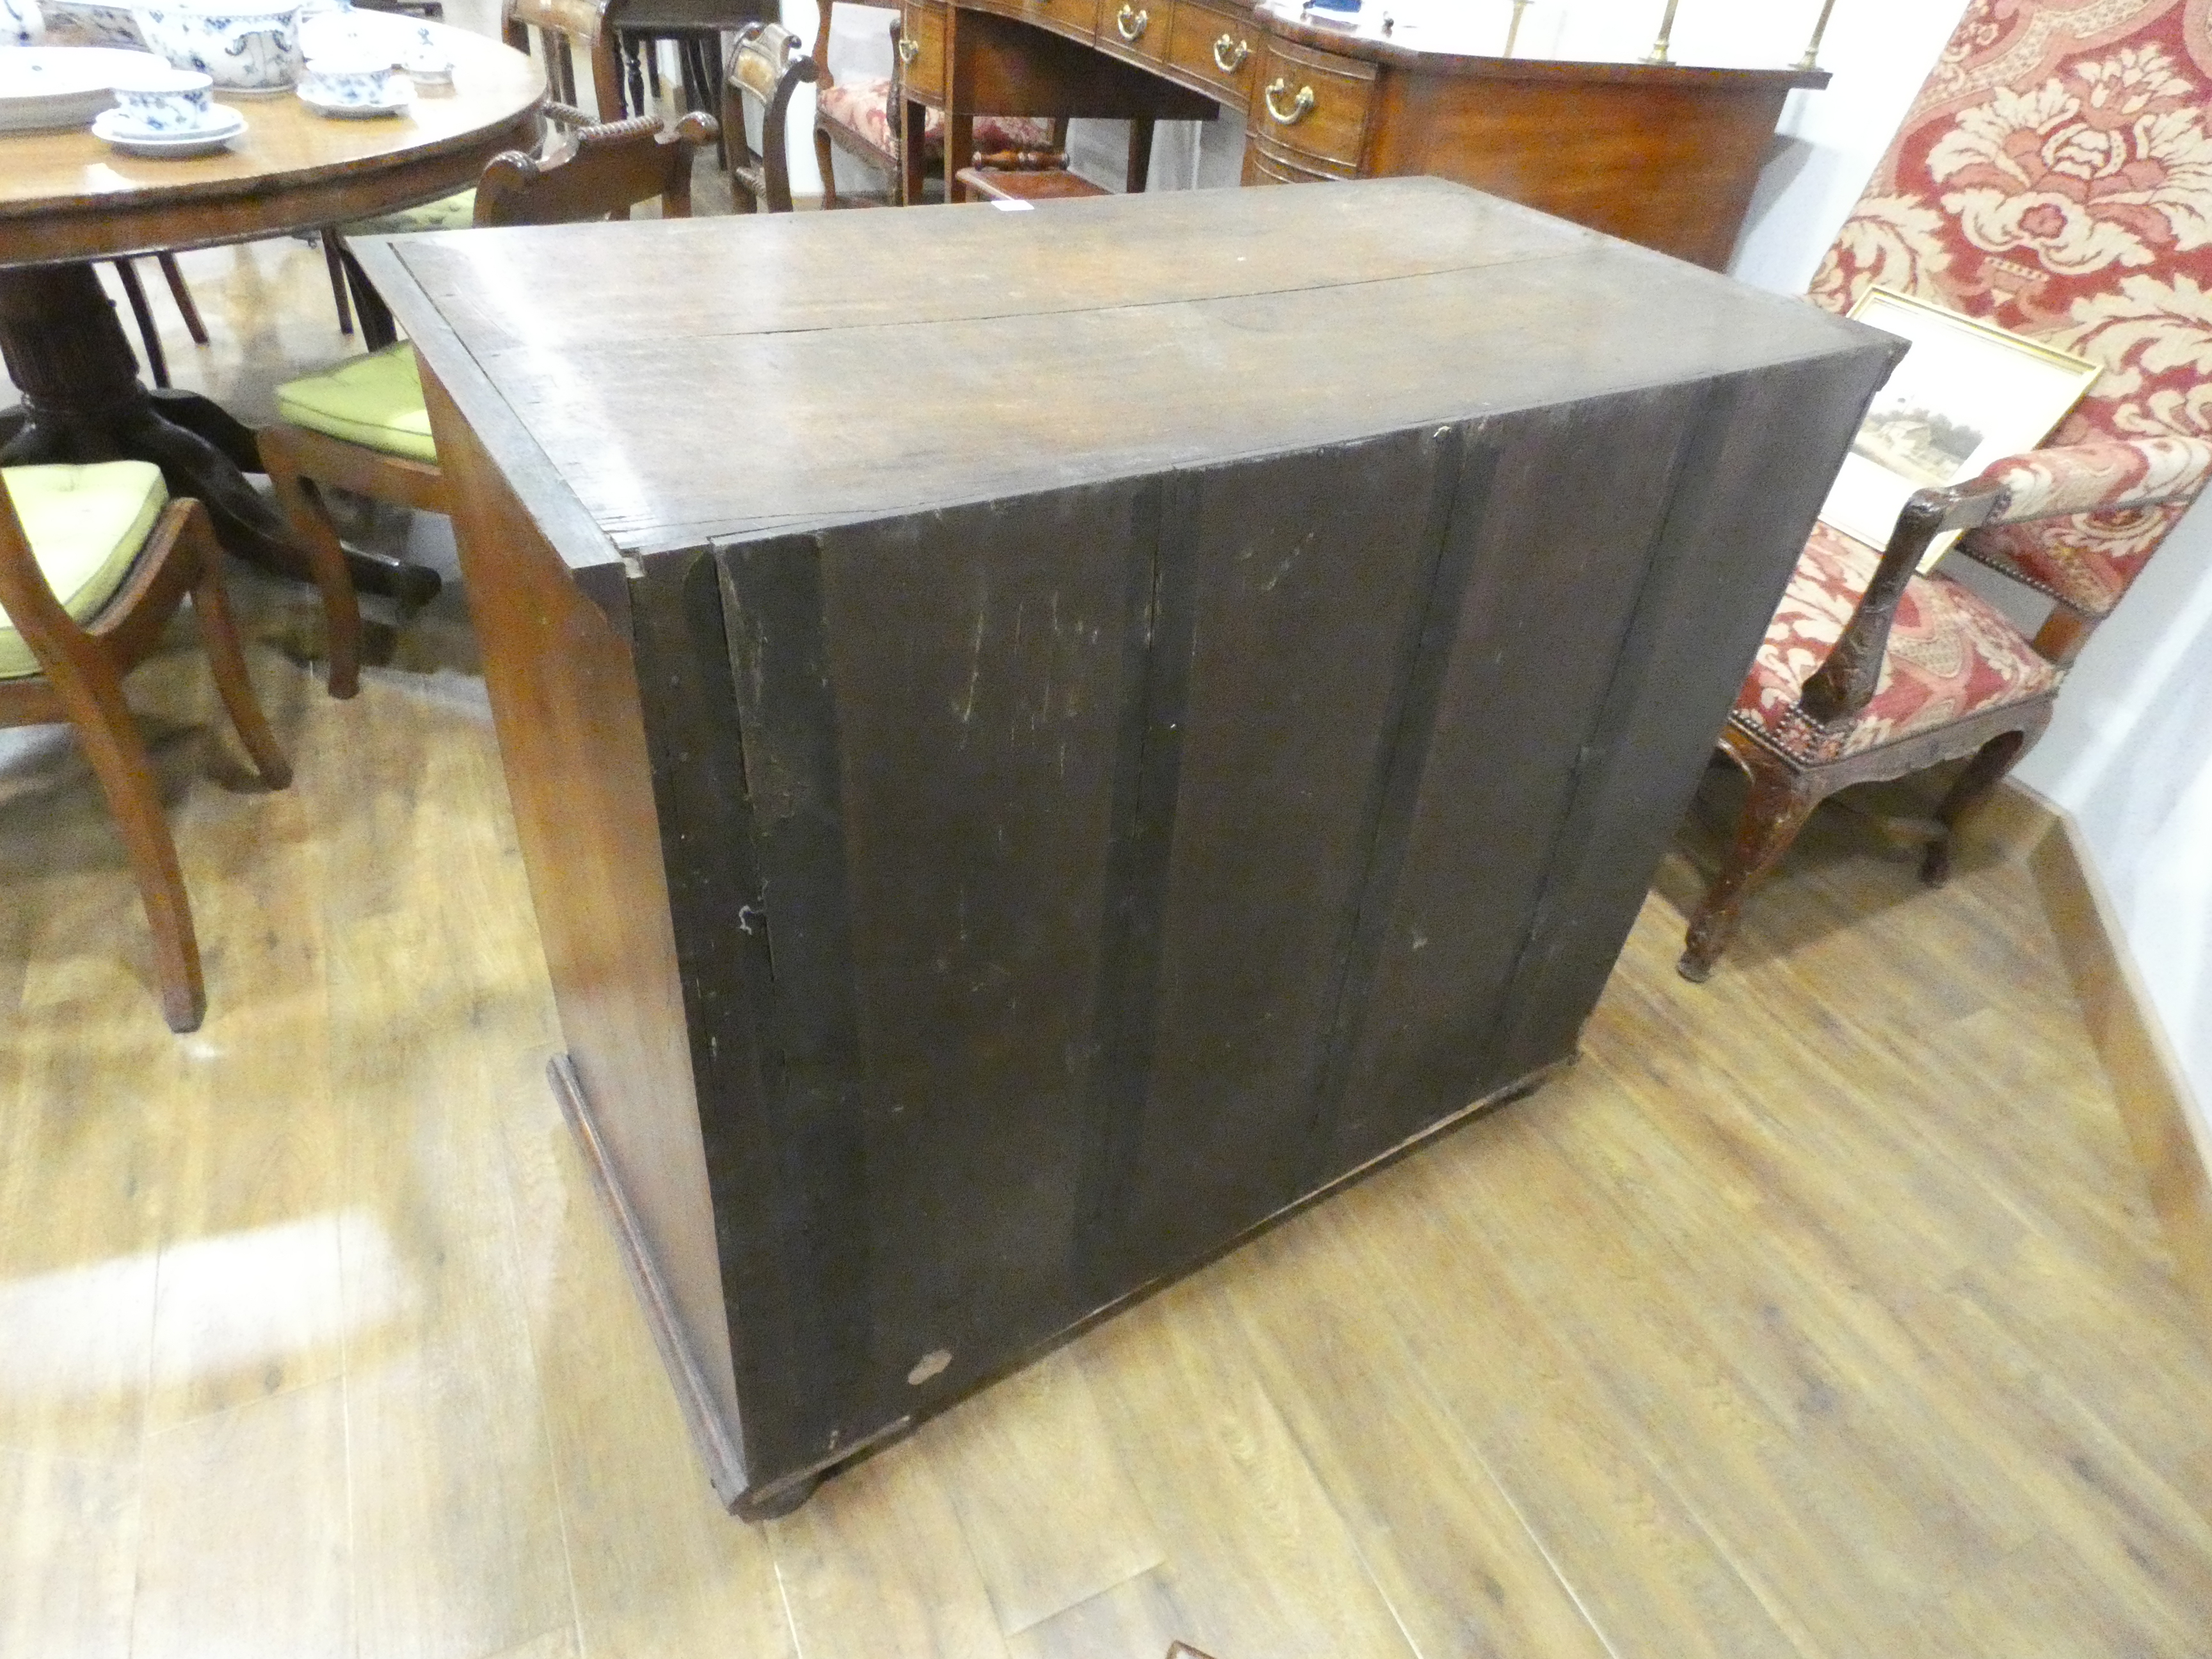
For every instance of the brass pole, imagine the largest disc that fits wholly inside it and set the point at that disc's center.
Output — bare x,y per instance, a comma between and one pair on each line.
1513,31
1812,57
1666,34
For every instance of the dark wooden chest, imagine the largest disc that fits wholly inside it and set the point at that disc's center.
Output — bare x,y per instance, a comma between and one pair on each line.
1045,741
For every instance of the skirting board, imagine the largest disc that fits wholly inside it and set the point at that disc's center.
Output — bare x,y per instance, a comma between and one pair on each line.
2157,1109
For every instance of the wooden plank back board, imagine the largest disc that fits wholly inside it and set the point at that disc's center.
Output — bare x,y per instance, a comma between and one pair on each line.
1151,705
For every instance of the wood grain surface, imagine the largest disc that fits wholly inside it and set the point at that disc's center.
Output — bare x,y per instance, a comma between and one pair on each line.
1281,322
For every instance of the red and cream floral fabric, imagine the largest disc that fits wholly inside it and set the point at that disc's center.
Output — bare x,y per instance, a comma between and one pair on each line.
1950,655
864,107
2055,176
2100,478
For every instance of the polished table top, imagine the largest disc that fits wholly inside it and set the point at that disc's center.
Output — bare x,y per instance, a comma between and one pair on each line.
69,196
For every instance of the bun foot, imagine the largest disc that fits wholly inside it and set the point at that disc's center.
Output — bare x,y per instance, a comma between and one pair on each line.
778,1501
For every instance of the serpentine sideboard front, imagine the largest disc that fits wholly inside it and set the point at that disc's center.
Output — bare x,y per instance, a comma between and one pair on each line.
1658,153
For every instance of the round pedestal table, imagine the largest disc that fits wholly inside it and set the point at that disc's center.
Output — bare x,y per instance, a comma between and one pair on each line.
68,199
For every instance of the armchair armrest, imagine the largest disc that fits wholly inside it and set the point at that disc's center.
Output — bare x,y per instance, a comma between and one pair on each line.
2109,476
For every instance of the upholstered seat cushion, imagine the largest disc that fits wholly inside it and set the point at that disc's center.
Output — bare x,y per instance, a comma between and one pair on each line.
85,524
864,106
454,212
1951,654
375,401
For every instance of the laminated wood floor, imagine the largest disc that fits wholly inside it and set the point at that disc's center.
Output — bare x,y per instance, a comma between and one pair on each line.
1819,1314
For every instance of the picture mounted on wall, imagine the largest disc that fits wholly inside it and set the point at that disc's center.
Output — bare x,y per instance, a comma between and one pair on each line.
1966,394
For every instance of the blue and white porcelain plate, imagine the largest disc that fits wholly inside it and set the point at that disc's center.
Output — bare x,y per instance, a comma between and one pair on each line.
397,105
171,146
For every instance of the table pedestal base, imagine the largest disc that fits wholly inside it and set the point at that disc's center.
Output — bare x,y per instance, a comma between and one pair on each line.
83,402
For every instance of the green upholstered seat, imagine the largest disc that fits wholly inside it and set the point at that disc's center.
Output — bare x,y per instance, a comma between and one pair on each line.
454,212
374,401
85,524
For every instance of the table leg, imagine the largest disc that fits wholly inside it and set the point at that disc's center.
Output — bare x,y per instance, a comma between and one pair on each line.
914,158
82,402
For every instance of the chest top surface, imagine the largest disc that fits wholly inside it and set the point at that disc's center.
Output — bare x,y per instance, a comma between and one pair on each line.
684,381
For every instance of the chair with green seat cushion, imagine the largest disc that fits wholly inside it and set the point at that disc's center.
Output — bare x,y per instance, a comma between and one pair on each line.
94,562
363,426
86,525
454,212
375,400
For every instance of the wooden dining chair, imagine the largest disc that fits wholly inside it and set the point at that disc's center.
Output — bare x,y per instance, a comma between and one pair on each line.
94,561
363,426
565,30
863,116
557,32
766,69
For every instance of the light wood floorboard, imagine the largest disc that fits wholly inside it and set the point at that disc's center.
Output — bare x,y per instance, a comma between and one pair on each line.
1820,1313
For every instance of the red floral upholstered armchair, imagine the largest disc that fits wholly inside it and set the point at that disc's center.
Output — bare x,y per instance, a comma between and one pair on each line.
2054,177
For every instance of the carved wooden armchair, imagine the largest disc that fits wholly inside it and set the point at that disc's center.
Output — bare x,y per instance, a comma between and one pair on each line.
863,117
2051,178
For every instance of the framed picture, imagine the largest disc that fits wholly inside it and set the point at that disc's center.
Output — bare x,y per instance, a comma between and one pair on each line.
1966,394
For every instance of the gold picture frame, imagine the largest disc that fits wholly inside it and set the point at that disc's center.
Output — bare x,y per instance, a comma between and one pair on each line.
1967,393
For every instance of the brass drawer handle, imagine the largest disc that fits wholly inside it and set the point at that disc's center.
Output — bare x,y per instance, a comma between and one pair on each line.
1131,21
909,50
1230,54
1300,105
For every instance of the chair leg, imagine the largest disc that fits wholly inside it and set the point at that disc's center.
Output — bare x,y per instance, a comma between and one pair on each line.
334,261
1983,774
227,659
157,365
822,158
112,744
183,296
378,328
313,529
1780,803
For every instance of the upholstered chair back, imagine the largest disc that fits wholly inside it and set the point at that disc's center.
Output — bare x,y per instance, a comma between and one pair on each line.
2055,176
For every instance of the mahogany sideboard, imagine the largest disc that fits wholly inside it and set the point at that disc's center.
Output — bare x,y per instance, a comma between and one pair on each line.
1663,155
998,845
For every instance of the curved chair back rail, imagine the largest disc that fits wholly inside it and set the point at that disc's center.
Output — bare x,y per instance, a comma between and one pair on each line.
607,169
766,69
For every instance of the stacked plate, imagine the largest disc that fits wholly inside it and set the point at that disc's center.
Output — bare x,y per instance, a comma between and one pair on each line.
58,88
223,125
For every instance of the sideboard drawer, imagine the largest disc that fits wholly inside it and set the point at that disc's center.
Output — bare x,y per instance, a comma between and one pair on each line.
1136,28
921,50
1218,47
1313,103
1271,164
1068,16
